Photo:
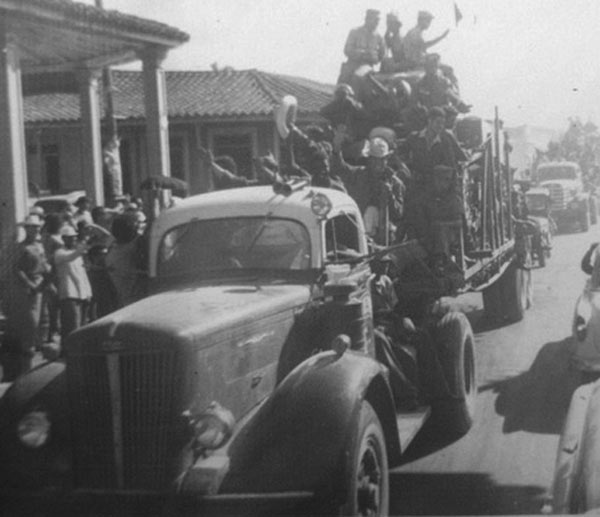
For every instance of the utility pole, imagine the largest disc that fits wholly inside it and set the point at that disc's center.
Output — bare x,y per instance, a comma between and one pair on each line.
110,151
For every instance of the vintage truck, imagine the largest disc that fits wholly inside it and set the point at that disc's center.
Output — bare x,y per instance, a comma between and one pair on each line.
571,204
249,380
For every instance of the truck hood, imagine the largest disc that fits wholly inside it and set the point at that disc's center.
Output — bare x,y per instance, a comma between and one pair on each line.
566,184
186,314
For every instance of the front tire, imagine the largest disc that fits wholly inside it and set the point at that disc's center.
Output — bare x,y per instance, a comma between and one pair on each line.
367,475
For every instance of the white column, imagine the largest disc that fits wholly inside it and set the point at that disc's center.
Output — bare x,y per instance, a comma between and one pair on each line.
13,171
91,140
157,123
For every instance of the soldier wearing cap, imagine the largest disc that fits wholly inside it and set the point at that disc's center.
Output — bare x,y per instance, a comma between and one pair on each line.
364,47
32,269
394,60
415,46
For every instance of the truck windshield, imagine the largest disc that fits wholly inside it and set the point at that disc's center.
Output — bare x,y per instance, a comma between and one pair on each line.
234,244
557,172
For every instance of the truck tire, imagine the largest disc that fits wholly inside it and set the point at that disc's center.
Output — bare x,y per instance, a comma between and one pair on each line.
366,475
514,284
541,255
492,302
584,219
455,347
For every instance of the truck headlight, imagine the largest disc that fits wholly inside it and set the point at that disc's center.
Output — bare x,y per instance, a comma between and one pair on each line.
34,429
213,427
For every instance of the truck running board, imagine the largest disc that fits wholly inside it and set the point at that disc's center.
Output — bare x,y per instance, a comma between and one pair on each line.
410,423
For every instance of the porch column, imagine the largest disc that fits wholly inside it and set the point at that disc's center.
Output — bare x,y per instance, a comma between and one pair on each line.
157,123
91,140
13,173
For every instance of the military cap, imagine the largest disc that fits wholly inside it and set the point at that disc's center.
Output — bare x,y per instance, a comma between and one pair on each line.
425,15
372,13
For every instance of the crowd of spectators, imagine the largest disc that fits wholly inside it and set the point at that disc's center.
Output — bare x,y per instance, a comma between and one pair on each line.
72,267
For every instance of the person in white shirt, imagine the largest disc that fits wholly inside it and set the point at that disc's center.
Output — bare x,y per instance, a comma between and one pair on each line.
74,291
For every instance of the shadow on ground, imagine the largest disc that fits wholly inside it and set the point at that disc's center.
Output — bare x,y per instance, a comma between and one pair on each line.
538,399
460,494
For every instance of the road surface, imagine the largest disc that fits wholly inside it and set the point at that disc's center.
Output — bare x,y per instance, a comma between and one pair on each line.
504,465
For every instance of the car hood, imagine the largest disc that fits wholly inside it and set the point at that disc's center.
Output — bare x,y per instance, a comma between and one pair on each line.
186,314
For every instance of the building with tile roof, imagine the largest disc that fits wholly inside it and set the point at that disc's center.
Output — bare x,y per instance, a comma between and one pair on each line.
230,112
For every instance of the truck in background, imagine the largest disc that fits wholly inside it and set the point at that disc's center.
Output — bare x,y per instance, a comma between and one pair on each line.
571,203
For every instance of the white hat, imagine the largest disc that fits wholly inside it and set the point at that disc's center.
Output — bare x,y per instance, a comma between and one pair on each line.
68,231
37,210
33,220
378,148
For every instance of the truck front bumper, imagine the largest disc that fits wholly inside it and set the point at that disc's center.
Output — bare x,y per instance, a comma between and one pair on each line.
52,502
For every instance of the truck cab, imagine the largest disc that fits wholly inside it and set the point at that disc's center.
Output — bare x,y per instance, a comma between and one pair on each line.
570,203
248,379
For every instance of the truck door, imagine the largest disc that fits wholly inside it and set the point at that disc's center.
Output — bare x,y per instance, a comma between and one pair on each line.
344,248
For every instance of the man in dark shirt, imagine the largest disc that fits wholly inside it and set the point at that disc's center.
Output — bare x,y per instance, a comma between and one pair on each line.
433,146
435,89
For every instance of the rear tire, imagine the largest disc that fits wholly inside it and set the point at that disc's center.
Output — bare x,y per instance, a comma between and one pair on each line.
585,219
367,475
492,302
514,288
455,347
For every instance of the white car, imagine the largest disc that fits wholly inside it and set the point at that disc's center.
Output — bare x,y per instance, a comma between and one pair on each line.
576,487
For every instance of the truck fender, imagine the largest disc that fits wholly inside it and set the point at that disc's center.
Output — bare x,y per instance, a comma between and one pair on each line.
41,389
298,440
571,448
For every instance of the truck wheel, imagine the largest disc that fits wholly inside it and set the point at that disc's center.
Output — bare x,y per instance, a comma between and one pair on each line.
514,283
455,347
367,476
541,255
585,219
492,302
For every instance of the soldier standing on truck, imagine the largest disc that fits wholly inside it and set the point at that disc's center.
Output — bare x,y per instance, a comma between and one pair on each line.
433,146
434,89
415,46
395,61
364,47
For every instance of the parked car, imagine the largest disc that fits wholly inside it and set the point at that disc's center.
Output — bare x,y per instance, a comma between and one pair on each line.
576,487
56,203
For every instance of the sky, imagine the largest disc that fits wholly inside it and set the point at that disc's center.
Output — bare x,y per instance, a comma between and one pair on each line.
533,59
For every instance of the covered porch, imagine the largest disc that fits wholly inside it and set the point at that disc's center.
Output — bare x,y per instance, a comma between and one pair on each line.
61,45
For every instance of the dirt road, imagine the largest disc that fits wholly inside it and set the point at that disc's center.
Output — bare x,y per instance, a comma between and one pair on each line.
505,464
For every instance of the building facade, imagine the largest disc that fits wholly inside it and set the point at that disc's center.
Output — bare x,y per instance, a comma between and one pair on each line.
229,112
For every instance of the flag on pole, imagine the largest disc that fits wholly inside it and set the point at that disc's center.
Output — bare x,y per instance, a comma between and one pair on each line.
457,14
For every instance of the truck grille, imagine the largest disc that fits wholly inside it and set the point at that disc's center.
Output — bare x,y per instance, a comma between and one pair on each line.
558,197
122,407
